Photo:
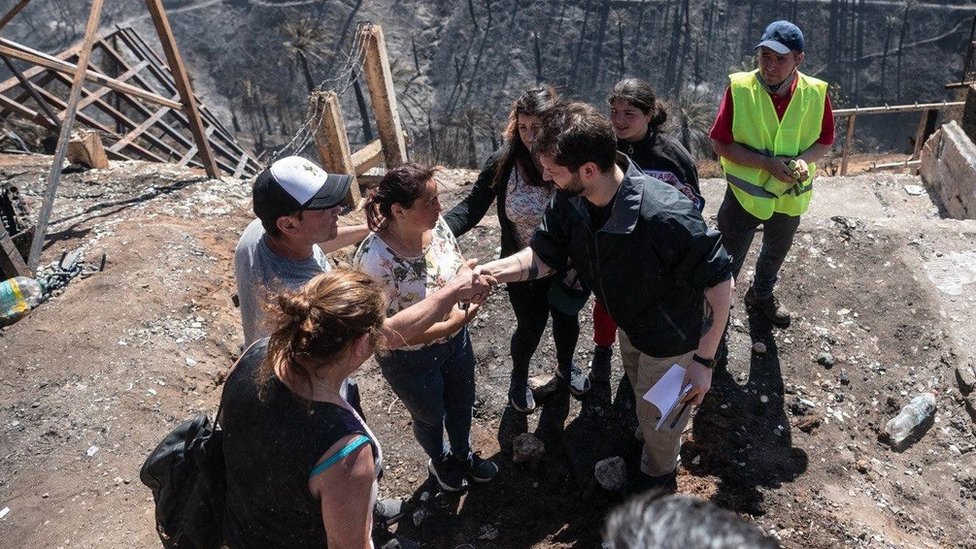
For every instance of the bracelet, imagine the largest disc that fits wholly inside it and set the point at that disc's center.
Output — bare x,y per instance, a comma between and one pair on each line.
706,362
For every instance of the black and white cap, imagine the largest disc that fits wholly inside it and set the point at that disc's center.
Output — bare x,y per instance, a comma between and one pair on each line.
294,183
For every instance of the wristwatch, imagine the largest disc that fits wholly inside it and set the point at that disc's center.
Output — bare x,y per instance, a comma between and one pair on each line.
706,362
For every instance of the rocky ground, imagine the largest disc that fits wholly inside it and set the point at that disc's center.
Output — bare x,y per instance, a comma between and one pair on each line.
791,438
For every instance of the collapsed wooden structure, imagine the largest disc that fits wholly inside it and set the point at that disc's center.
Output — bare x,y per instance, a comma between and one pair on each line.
143,109
136,108
144,131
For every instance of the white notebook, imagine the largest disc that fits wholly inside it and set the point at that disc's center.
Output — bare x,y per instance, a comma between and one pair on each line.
666,395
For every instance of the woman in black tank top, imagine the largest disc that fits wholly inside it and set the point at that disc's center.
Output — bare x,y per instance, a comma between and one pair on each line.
301,464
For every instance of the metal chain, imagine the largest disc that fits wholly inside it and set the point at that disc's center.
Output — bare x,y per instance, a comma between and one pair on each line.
340,83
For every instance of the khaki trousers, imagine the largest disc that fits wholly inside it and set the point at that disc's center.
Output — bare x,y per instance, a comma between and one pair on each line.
660,455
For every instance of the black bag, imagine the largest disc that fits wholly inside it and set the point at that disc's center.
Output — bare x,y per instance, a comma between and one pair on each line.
187,475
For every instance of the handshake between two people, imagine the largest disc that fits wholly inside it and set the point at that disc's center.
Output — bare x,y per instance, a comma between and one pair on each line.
473,284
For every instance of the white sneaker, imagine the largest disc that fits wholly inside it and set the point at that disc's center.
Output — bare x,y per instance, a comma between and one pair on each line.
579,382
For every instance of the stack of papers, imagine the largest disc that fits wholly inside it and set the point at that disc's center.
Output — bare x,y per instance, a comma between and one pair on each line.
666,395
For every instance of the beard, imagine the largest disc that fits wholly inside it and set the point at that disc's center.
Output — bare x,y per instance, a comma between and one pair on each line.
575,186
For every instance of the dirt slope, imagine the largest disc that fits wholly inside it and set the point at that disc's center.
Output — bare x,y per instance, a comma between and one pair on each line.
91,381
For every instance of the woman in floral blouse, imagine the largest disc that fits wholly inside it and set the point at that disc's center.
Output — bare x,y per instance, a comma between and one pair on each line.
413,254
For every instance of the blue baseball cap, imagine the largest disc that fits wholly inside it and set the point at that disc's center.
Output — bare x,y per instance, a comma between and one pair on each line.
782,37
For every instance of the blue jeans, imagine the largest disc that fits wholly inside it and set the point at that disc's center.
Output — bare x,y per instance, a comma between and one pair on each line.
739,226
436,384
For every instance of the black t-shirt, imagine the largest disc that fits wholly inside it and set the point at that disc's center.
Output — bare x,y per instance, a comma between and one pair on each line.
270,446
600,214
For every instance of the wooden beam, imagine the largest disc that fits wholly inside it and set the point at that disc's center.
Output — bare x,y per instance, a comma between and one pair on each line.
61,104
13,13
26,84
26,54
10,104
11,262
40,230
94,96
848,142
241,165
927,119
367,157
331,141
379,80
157,67
34,71
193,151
138,130
40,83
182,80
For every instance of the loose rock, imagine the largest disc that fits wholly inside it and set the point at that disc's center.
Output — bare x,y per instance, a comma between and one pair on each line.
966,378
611,473
527,448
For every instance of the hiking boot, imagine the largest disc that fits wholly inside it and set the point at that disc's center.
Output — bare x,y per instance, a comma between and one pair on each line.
448,473
770,307
579,383
520,398
600,364
478,469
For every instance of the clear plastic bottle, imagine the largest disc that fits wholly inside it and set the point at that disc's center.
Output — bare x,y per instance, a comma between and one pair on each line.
910,417
17,296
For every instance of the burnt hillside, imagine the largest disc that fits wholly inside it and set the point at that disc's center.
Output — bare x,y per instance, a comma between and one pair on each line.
458,64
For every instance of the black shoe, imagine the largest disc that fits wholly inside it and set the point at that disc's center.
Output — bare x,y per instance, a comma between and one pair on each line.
388,512
520,397
478,469
448,473
770,307
665,484
600,364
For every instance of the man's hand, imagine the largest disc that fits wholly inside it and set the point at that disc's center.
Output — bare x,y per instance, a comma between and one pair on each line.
700,378
471,311
800,169
470,285
779,167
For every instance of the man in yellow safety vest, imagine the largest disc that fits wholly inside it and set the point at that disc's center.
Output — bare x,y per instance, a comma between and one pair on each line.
774,123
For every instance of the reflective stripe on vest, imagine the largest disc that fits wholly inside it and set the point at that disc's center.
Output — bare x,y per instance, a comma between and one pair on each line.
756,127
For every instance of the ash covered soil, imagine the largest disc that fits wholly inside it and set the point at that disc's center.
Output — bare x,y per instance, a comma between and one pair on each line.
790,439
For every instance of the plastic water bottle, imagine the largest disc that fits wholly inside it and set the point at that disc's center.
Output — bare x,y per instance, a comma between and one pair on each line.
17,296
910,417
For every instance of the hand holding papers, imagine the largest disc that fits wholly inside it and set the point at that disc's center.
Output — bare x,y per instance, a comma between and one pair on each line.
666,395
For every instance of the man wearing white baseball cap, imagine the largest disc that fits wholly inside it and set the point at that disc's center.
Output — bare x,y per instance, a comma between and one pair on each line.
297,205
774,123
